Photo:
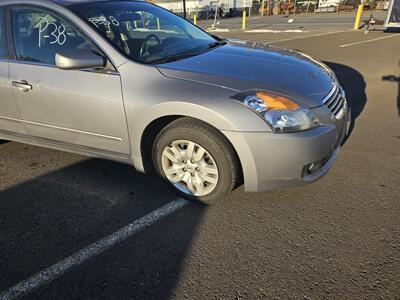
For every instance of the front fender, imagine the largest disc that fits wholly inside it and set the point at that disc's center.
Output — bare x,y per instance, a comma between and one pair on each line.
177,108
152,96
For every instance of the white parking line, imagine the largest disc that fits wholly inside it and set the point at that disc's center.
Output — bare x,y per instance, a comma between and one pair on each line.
218,30
367,41
308,36
275,31
94,249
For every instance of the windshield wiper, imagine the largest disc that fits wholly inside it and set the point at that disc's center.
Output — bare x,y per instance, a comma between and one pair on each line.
175,57
171,58
216,44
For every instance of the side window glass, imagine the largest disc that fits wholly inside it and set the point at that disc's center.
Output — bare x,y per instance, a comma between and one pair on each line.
38,36
2,35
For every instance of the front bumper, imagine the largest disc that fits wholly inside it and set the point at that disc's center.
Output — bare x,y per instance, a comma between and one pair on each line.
276,161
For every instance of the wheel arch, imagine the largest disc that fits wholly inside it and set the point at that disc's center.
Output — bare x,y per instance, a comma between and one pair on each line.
143,163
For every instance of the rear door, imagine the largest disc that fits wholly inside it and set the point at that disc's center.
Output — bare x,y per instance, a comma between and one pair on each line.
83,108
10,119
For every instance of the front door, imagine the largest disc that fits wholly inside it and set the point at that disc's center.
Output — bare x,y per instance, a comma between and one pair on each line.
10,119
83,108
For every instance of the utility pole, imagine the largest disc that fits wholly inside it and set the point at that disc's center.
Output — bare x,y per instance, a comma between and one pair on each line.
215,15
184,8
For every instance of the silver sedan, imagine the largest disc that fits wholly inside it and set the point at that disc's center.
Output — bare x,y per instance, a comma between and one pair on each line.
132,82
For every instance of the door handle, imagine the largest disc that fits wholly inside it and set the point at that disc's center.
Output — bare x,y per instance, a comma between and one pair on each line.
23,85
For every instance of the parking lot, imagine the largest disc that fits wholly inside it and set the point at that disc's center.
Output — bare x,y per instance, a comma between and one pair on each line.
61,214
302,22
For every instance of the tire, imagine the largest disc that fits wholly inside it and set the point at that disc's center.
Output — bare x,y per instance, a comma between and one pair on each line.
210,177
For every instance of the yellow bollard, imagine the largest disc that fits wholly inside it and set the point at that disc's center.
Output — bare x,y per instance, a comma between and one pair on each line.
262,8
158,23
358,16
244,20
135,22
194,19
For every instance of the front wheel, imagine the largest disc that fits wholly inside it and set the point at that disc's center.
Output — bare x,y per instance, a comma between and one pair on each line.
196,160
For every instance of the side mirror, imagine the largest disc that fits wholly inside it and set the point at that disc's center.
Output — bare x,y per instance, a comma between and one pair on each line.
79,60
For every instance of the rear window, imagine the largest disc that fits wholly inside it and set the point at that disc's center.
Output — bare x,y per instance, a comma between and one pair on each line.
2,34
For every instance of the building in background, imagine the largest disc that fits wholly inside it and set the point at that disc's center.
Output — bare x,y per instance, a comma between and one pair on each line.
205,8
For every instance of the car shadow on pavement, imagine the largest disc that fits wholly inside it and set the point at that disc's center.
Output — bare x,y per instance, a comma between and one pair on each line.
49,217
354,85
393,78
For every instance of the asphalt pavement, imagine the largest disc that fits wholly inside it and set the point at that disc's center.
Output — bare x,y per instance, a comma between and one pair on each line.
338,238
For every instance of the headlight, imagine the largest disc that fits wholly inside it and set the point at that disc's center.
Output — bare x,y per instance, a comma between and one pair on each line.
281,113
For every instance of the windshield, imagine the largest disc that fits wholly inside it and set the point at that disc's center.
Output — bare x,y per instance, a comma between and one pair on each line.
145,32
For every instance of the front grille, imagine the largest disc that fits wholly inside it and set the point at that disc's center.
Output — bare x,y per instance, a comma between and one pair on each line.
336,101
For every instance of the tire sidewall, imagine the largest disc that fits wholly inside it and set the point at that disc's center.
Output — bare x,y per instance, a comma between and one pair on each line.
214,147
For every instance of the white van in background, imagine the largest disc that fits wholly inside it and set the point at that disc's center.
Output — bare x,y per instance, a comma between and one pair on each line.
328,3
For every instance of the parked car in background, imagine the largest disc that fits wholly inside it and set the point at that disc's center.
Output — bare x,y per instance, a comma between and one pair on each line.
132,82
328,3
307,3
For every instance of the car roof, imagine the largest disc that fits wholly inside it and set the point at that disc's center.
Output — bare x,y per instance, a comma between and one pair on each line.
71,2
65,2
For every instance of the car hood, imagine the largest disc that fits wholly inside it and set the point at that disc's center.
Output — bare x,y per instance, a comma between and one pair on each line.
244,66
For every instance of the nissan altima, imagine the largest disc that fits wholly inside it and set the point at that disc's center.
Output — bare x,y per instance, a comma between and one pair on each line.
132,82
